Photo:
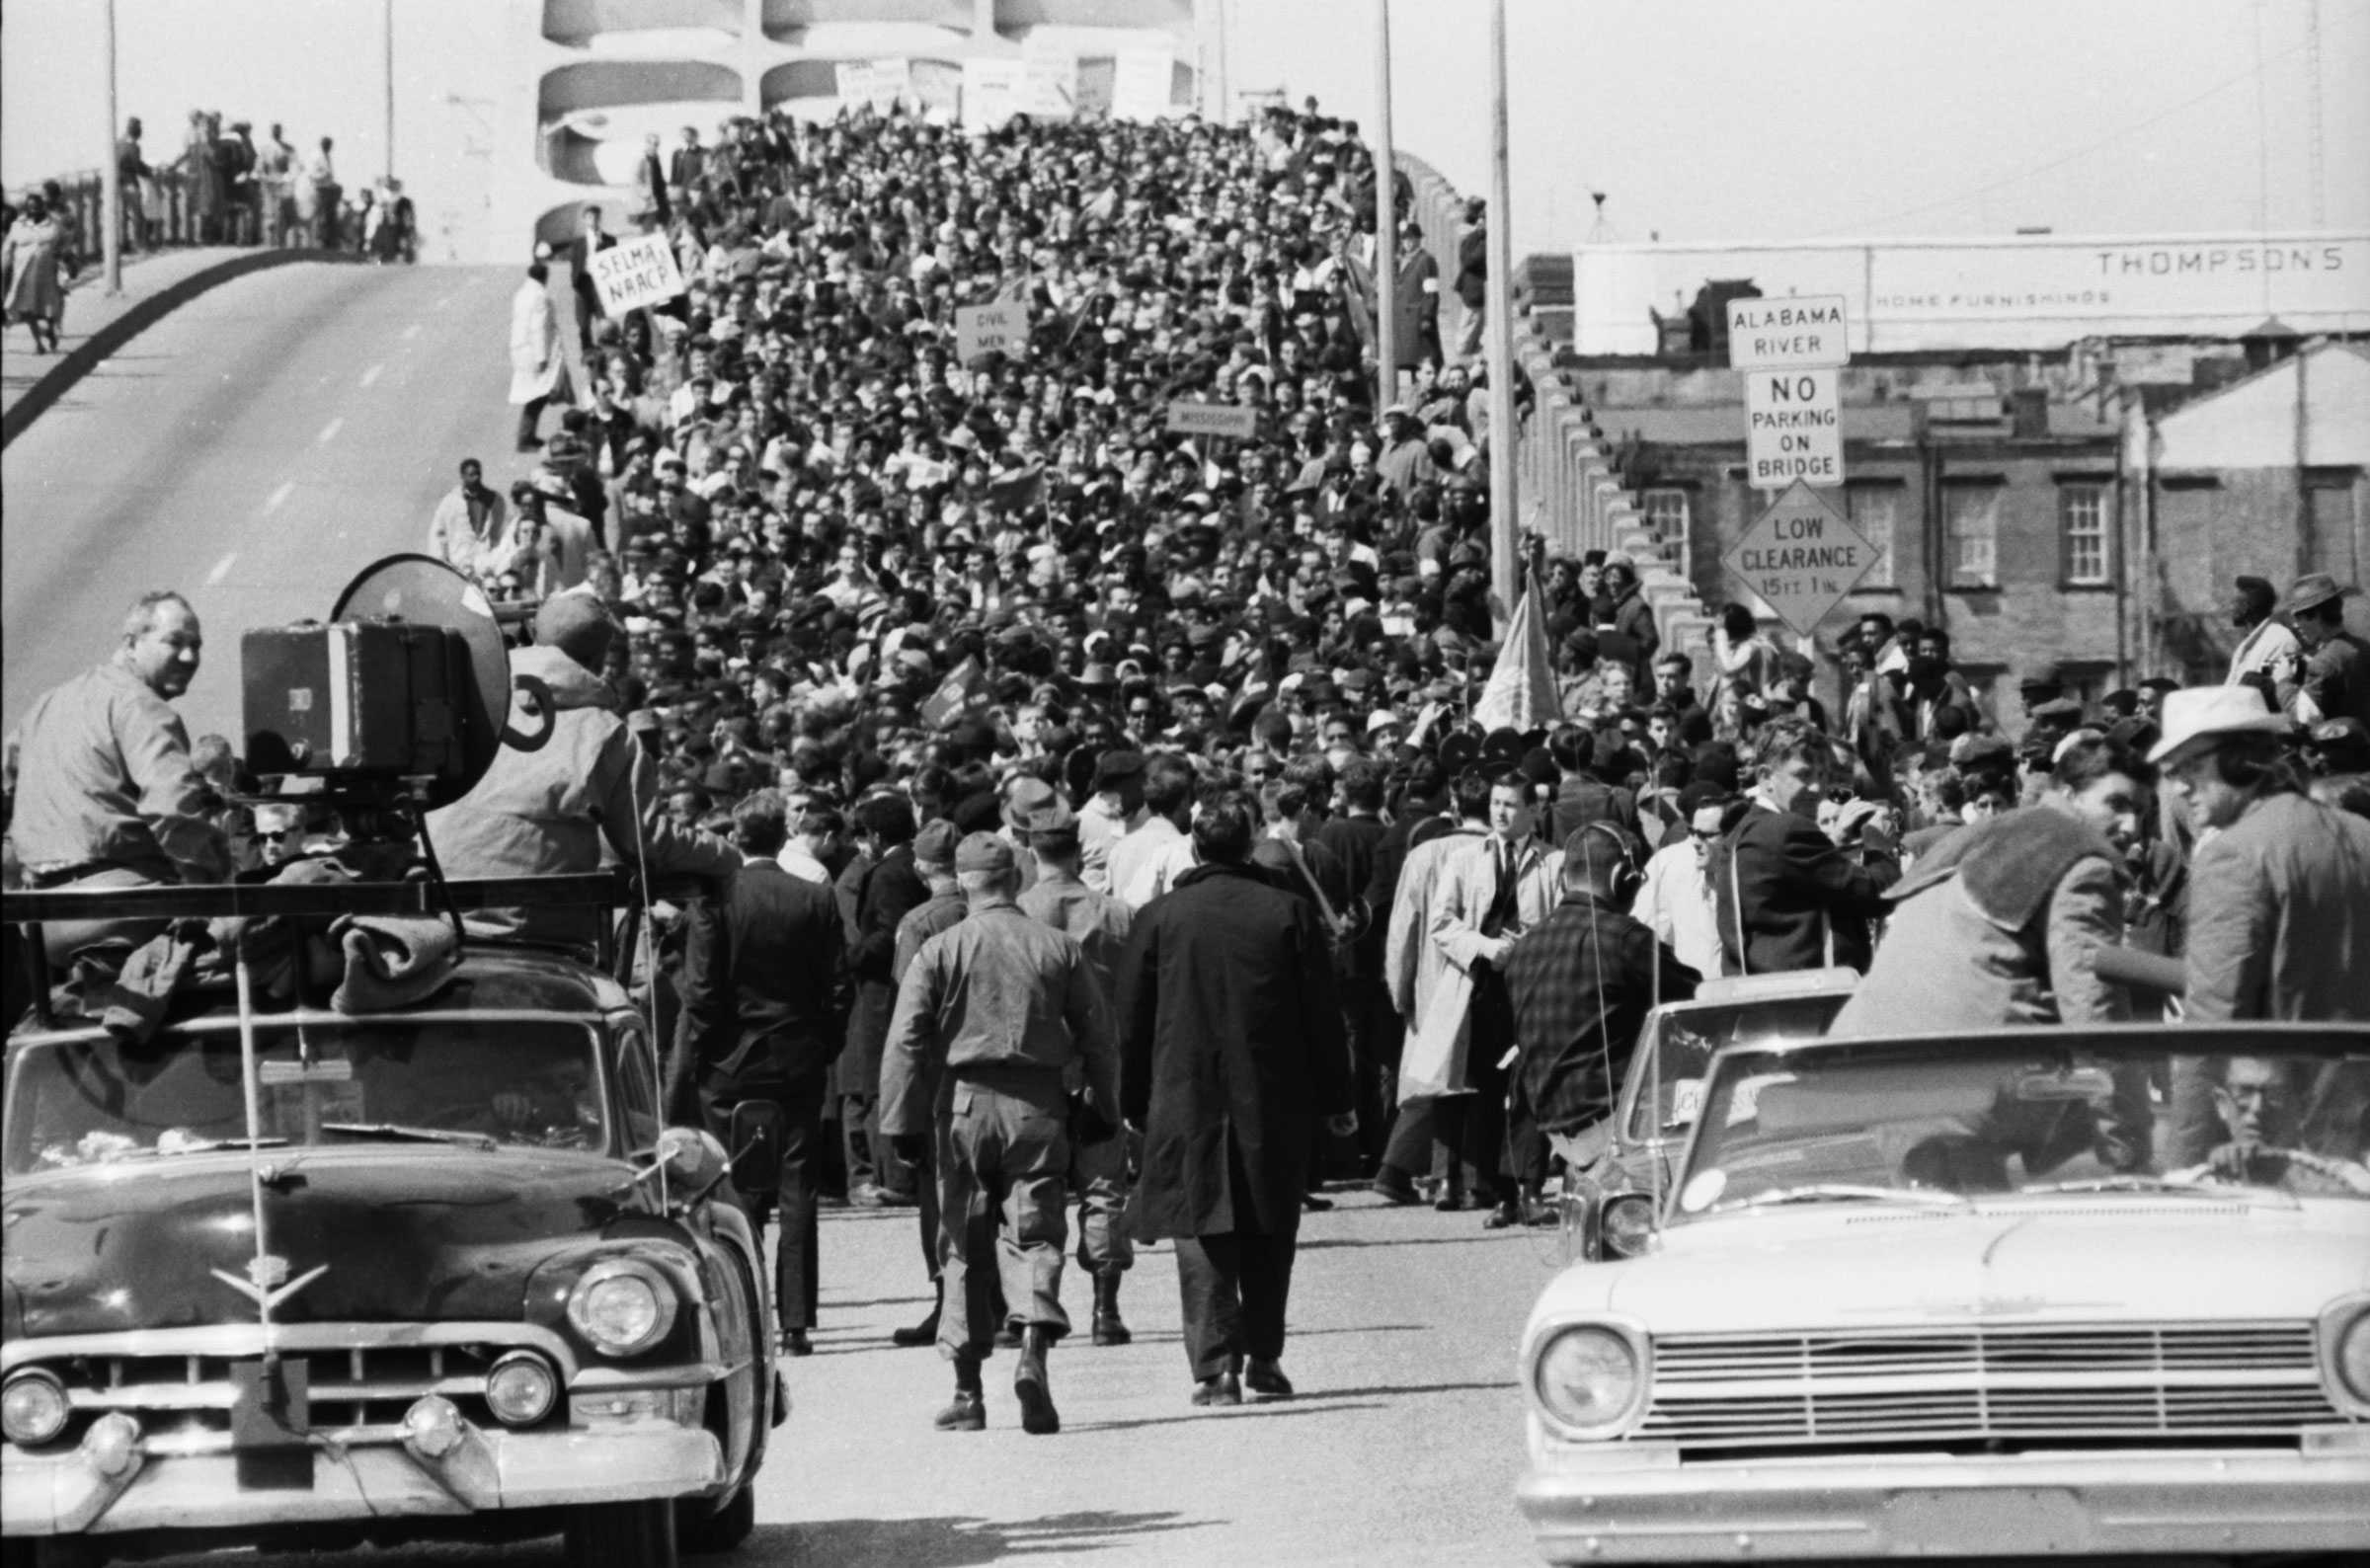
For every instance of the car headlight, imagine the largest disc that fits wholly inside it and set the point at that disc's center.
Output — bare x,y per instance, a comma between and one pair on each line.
2345,1352
34,1408
520,1388
1589,1380
1625,1224
621,1307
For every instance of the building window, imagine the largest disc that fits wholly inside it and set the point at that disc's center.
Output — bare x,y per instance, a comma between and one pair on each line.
1875,511
1971,535
1665,517
2336,545
2081,522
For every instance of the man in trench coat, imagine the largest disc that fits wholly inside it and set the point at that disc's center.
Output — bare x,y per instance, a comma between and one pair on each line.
538,369
1230,1043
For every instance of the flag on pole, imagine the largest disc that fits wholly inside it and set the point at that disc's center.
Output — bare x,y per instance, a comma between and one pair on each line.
966,683
1521,694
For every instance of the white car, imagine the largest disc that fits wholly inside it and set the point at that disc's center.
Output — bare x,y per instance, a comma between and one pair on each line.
2030,1292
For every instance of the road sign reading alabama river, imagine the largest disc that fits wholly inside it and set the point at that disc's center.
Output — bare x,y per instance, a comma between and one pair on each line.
1801,556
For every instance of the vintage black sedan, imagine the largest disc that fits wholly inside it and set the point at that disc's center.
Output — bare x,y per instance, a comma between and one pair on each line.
448,1275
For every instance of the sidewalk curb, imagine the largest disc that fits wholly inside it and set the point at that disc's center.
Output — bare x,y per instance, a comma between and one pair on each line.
87,355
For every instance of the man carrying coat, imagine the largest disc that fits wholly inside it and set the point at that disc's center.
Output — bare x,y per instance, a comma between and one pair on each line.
1231,1042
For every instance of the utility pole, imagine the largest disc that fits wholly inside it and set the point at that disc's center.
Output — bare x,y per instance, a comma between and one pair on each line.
1504,535
1386,245
111,177
387,12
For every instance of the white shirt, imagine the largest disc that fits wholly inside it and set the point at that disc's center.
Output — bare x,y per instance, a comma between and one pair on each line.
2261,648
1132,860
1674,902
795,860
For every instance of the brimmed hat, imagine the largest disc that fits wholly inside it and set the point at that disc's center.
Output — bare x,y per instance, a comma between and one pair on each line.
2201,712
2314,590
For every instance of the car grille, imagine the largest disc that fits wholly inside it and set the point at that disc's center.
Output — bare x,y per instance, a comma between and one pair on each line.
2023,1385
353,1395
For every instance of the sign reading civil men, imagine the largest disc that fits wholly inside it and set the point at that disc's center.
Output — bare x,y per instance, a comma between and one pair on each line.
985,329
875,84
1801,556
1793,428
635,272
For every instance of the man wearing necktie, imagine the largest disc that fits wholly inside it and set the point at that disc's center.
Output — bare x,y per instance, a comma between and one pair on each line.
1492,891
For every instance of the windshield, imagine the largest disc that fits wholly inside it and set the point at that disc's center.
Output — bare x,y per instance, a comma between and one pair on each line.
1947,1119
488,1081
1680,1042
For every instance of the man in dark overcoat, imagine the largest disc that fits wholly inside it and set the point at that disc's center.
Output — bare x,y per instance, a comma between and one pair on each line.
1231,1044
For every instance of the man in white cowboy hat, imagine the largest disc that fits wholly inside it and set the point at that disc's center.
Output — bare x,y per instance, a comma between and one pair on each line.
2279,888
2331,678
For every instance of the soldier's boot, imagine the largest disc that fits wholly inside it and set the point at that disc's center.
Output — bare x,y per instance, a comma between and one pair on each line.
1108,1328
1029,1384
925,1332
969,1410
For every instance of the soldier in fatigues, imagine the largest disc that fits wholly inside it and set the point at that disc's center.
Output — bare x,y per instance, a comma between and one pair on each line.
996,1011
1063,900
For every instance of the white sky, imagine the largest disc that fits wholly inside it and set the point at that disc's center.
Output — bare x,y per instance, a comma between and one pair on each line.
1706,119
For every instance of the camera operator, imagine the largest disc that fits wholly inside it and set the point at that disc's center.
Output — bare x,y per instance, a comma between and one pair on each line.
106,793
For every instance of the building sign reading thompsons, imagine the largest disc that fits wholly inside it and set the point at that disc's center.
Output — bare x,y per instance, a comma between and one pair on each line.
2039,291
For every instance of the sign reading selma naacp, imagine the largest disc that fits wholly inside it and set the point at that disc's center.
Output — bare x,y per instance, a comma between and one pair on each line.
1190,418
985,329
1782,334
1794,428
636,273
1801,556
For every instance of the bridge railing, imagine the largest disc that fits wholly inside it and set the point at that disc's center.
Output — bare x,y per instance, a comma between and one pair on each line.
1565,483
169,211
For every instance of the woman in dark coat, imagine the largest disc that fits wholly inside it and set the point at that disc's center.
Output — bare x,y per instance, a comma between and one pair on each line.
1231,1044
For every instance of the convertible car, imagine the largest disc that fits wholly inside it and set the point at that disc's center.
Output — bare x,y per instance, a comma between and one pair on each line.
436,1271
2033,1291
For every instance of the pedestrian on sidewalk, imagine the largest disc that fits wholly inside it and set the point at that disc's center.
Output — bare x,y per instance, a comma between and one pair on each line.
35,257
1232,1046
992,1016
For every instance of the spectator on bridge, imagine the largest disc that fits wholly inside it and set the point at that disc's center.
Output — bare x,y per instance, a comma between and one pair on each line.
538,369
2327,676
132,182
35,257
471,528
318,195
588,243
104,791
275,184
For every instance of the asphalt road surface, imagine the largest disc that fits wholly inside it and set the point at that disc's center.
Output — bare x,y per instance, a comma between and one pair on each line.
255,449
259,447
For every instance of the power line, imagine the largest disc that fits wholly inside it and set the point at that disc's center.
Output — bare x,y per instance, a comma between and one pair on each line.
2078,153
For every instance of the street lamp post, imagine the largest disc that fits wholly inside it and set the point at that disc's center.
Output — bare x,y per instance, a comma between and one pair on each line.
1505,534
1386,245
111,177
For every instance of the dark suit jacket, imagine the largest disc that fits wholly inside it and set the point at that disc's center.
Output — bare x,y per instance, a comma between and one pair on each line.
885,893
1230,1045
579,269
765,985
1791,884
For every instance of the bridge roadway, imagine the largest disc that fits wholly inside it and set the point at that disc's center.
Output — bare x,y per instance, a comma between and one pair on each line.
264,444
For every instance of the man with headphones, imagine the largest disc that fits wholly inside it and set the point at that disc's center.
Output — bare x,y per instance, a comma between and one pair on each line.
1580,981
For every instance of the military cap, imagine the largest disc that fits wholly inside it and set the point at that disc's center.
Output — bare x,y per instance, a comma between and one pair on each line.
1054,820
983,852
936,844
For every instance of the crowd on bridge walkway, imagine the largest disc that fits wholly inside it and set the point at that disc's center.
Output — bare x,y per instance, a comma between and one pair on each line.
222,187
1111,814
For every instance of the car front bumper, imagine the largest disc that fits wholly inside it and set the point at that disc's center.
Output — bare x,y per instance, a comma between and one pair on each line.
78,1491
1639,1503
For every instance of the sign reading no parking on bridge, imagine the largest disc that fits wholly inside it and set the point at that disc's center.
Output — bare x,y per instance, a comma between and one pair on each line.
1801,556
1792,352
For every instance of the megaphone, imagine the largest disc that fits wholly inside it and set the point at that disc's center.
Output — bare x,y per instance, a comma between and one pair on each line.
402,694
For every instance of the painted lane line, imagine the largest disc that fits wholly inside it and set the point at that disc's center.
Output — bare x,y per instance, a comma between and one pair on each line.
374,373
287,488
221,570
411,332
328,432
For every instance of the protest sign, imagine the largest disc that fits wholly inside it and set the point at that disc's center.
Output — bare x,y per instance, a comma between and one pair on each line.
635,272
